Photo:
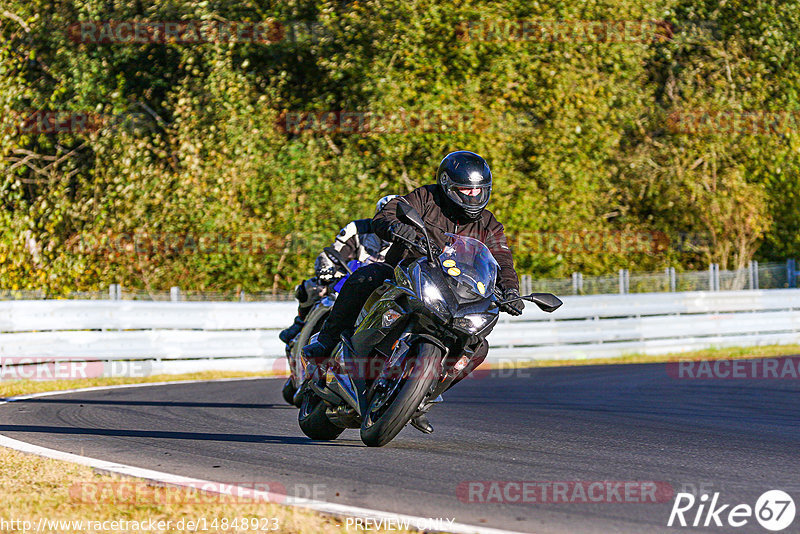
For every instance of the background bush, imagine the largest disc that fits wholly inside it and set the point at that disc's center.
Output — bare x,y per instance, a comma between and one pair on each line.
581,136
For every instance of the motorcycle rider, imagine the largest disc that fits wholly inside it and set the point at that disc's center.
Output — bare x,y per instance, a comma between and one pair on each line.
455,204
356,241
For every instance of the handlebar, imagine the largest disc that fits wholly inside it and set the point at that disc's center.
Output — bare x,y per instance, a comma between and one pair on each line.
417,244
335,257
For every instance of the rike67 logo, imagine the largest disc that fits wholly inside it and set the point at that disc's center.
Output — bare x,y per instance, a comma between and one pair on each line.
774,510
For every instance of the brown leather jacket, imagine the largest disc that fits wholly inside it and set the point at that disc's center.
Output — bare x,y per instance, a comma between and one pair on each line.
439,218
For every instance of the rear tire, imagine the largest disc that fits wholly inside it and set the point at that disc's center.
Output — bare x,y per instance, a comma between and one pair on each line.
410,395
313,421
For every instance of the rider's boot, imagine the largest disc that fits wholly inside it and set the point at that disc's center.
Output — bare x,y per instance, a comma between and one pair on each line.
420,419
319,350
421,423
288,334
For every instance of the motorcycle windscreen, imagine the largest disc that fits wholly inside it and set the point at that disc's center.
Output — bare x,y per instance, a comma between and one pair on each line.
471,264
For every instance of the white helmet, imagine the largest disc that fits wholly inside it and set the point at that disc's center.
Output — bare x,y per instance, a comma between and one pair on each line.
382,202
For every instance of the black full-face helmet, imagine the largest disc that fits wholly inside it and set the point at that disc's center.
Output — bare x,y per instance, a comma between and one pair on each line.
466,180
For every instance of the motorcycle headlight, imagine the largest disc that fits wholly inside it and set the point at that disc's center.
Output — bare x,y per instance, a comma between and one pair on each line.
432,296
473,323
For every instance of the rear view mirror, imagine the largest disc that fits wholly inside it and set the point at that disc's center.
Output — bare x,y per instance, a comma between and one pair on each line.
408,214
547,302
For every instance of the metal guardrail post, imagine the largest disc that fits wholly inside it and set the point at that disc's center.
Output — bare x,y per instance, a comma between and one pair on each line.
115,292
673,280
753,274
624,282
791,273
577,283
713,277
175,294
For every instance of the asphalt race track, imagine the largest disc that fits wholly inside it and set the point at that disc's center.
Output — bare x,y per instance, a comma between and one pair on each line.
600,423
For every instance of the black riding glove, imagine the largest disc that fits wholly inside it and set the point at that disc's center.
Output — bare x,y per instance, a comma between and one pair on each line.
326,275
406,231
514,307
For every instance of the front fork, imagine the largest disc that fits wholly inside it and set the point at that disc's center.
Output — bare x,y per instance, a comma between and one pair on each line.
454,366
395,367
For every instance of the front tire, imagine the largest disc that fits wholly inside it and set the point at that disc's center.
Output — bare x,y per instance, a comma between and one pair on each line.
313,421
379,429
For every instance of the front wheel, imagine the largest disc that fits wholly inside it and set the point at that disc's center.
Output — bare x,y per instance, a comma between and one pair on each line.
391,410
313,421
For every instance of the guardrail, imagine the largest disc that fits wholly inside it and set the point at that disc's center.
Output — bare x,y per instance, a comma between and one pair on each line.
137,337
651,323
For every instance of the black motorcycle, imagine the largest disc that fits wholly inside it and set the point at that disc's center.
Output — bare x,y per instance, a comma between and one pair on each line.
313,324
411,341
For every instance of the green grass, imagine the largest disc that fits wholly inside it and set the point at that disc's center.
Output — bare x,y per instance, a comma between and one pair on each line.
730,353
34,488
12,388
